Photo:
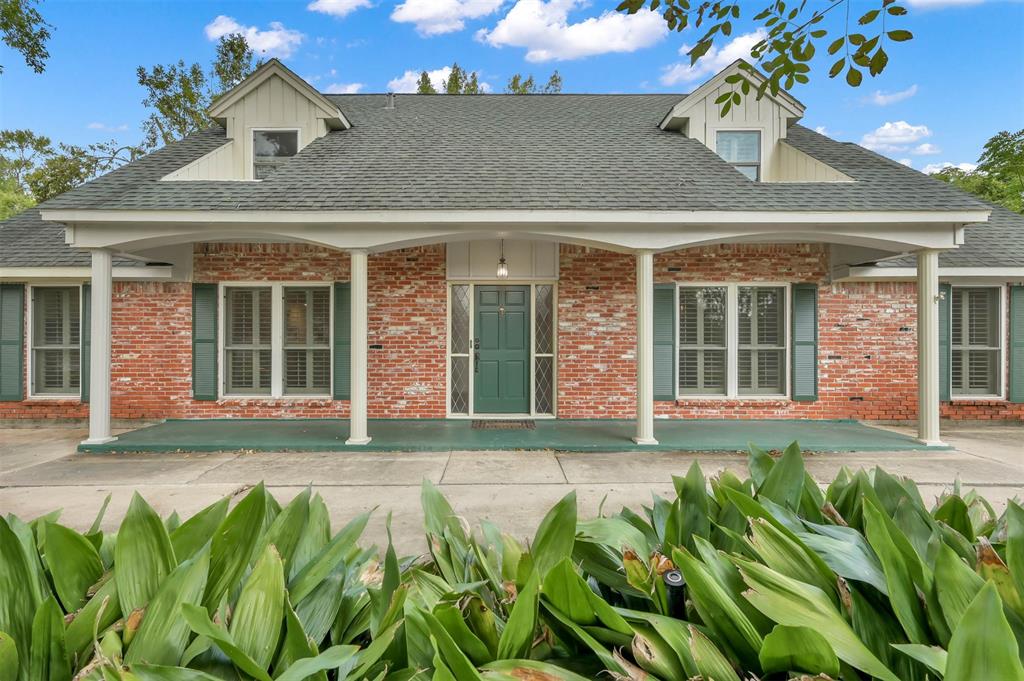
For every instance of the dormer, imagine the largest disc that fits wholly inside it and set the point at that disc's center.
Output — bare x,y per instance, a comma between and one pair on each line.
268,118
751,136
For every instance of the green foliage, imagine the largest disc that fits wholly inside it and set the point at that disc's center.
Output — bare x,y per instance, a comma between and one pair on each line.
24,30
999,177
859,591
793,33
517,85
179,94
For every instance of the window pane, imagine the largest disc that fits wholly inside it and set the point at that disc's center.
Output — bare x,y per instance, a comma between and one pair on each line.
976,344
275,143
739,146
762,339
460,319
543,384
702,340
545,319
460,385
753,173
247,353
306,364
56,335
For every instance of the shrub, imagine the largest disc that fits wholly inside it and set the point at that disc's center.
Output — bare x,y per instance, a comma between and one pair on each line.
768,578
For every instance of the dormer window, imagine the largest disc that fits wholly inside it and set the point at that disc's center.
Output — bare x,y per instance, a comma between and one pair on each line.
742,150
271,149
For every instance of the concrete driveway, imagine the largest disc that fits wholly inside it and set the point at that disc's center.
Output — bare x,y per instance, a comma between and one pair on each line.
40,472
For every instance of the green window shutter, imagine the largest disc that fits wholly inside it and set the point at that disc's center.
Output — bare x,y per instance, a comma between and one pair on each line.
665,342
12,342
342,341
86,334
1016,392
204,341
945,342
805,343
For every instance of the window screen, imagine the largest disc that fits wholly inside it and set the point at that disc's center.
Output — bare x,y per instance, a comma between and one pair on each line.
271,148
702,341
761,358
247,347
307,339
742,150
976,345
56,341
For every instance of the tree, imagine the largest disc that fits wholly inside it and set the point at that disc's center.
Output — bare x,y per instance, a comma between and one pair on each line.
792,35
24,31
20,153
458,82
517,85
179,94
12,199
999,177
424,86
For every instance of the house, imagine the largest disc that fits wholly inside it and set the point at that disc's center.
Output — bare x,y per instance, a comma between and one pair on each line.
557,256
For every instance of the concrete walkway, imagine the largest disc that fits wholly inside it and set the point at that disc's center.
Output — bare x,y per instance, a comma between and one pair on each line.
40,471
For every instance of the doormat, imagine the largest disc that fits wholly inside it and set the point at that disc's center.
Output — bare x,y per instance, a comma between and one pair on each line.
516,424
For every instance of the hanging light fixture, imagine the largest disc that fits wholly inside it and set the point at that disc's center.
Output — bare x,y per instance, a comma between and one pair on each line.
502,265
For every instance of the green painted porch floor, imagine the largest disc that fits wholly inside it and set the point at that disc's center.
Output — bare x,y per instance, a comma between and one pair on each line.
432,435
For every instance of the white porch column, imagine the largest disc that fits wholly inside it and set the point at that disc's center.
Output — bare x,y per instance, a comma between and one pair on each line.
99,357
645,349
357,434
928,347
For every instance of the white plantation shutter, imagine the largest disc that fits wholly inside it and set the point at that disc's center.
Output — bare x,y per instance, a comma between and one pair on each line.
702,340
247,350
307,340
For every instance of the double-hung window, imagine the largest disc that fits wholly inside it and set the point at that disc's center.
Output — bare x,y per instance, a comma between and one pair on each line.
271,149
742,150
732,340
56,340
277,340
976,342
307,341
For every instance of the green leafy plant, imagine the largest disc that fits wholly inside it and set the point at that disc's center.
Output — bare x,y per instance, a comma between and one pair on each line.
767,577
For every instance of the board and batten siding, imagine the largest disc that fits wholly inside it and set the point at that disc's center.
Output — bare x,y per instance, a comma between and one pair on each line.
274,104
792,165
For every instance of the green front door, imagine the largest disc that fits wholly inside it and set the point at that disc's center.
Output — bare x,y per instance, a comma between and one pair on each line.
502,350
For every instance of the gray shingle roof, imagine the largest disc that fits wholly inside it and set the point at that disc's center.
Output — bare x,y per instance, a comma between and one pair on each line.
996,243
26,240
582,152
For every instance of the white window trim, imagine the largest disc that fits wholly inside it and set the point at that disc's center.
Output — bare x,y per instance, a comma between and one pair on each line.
251,169
732,332
762,145
532,284
276,339
1003,354
30,345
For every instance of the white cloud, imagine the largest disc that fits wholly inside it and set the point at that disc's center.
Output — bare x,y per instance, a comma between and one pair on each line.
107,128
337,8
276,41
434,17
925,149
343,88
936,167
543,28
881,98
408,80
907,162
713,61
894,136
821,130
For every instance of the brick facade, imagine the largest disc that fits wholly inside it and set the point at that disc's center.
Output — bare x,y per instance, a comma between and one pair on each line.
867,337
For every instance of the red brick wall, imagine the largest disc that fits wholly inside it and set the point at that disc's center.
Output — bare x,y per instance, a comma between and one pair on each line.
867,350
867,337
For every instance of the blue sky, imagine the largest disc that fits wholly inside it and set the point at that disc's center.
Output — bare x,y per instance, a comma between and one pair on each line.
944,93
